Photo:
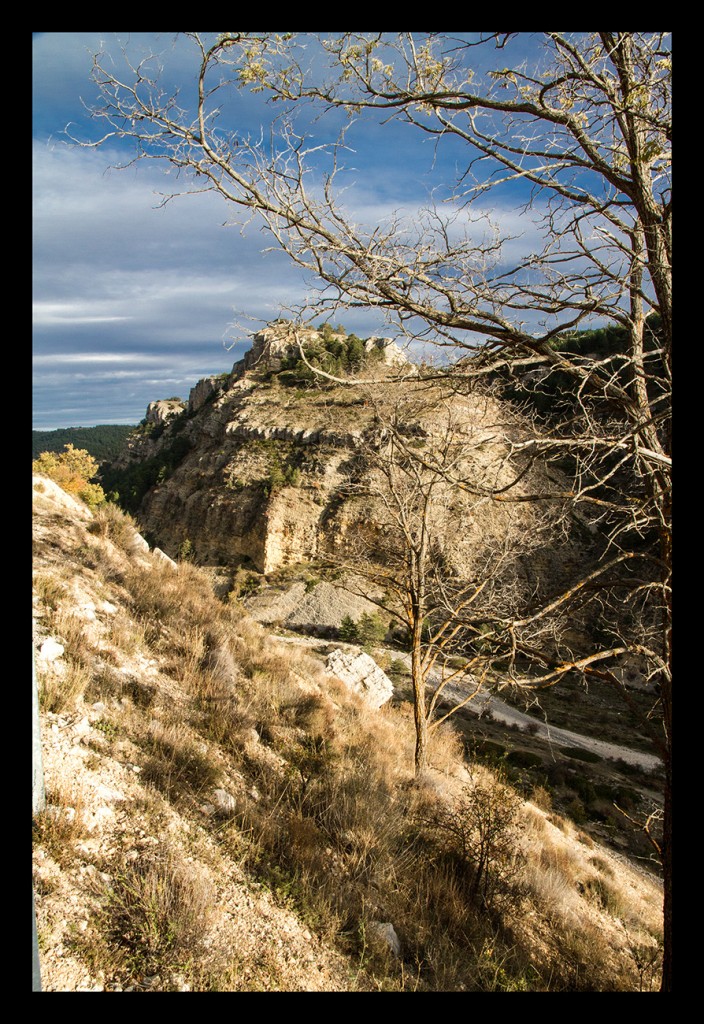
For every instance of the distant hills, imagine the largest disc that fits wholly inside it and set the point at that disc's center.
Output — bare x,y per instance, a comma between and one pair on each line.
103,442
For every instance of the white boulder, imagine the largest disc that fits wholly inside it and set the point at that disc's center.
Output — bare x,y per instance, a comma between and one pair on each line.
361,674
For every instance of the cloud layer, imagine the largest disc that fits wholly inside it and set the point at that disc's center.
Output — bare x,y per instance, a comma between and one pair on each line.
135,299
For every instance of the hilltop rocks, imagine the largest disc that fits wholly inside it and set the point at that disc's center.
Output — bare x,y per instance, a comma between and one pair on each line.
203,391
278,342
160,412
272,346
391,354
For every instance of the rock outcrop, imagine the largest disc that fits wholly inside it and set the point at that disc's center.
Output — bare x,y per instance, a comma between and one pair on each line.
280,341
361,674
203,391
163,410
265,473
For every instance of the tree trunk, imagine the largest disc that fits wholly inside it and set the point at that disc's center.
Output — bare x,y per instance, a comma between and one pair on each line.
666,983
419,714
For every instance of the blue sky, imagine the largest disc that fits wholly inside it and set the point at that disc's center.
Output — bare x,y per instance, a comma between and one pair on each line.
133,302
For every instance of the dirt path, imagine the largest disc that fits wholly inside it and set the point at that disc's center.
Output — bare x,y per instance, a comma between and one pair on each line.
484,703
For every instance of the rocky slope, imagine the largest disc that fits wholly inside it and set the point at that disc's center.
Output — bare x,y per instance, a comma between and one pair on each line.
222,814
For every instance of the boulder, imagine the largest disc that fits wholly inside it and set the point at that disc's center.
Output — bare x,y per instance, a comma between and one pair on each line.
361,674
383,934
161,556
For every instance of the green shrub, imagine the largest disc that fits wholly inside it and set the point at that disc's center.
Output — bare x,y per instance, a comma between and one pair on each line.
155,915
577,754
348,630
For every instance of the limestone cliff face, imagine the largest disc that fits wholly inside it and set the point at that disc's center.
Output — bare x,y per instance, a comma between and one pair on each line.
160,412
258,478
257,473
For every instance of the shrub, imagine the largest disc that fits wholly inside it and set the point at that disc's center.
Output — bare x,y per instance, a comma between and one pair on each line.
177,764
118,526
60,824
156,915
73,470
371,628
348,630
59,691
481,831
577,754
186,551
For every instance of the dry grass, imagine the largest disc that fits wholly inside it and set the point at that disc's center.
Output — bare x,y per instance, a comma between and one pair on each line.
155,917
178,762
50,591
327,815
110,522
61,824
62,686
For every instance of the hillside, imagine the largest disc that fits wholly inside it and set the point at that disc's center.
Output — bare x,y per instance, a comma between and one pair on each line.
266,469
223,814
275,481
104,442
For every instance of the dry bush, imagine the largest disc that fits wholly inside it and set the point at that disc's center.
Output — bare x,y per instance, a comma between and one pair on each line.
166,597
541,798
558,860
549,884
315,714
480,834
49,590
124,636
155,917
605,894
70,630
645,951
111,523
176,762
581,961
61,687
154,597
61,823
222,717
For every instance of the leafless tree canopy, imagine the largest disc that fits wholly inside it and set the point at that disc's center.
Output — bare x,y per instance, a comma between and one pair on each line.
582,130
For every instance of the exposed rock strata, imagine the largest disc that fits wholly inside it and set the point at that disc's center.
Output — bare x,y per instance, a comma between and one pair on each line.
264,474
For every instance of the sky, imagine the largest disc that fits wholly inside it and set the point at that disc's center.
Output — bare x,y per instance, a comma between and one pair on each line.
133,301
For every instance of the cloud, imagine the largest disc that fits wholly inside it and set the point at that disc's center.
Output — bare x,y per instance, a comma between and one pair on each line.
131,290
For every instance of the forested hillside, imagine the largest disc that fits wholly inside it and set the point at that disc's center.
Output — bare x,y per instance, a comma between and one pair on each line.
102,442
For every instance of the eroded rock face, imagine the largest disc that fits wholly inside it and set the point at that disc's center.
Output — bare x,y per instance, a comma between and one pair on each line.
202,391
258,475
274,344
361,674
163,410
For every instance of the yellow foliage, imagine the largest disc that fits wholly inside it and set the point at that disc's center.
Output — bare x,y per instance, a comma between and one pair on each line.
72,470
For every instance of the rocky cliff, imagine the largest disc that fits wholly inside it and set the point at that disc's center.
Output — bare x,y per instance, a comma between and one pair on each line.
267,473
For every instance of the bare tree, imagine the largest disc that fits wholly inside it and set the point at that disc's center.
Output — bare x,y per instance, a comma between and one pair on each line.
429,548
583,127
